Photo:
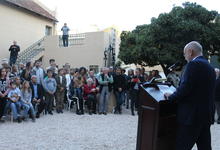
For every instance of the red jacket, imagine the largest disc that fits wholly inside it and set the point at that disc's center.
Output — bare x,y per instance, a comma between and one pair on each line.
88,90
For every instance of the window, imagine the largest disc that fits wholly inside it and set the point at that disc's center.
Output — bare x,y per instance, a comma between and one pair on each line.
48,31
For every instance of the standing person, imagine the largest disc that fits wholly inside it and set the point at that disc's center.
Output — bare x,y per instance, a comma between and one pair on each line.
83,74
194,96
37,96
135,81
21,68
60,91
14,49
4,85
119,86
105,81
129,89
50,87
65,36
217,94
26,97
38,71
144,74
27,72
92,76
53,67
14,71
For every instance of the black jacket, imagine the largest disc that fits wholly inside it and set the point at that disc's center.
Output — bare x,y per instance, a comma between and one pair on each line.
119,82
14,49
40,91
195,94
217,90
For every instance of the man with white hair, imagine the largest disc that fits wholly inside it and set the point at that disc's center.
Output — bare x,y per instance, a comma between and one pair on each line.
195,99
37,96
105,81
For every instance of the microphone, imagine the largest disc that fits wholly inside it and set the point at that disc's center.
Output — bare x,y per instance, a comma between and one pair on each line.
174,66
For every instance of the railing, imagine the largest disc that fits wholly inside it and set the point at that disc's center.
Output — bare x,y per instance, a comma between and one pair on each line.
73,39
31,52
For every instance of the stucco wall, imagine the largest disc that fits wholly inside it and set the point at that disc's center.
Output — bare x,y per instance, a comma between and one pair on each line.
90,53
19,25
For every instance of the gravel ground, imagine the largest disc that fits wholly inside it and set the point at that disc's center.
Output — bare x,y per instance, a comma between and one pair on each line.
71,132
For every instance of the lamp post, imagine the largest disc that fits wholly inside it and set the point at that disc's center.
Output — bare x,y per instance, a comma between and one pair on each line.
112,51
105,57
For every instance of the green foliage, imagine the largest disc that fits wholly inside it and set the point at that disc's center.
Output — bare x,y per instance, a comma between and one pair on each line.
162,41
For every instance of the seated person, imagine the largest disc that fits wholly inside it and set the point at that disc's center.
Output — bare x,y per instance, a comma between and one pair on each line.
26,97
37,96
90,91
14,102
76,90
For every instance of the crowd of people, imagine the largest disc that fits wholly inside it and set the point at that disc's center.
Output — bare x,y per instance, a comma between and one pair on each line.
27,90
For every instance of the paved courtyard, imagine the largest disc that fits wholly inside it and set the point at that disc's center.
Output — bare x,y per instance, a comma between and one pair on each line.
71,132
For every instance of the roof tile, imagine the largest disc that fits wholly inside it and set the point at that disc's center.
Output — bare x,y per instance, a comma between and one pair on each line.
32,7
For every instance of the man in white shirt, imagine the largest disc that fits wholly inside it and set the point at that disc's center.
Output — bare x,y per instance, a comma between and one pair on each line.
39,72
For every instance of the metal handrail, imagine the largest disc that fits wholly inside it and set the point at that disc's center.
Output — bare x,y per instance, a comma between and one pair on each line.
31,51
74,39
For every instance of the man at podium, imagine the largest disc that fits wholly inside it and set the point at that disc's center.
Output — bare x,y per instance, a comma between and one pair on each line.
195,112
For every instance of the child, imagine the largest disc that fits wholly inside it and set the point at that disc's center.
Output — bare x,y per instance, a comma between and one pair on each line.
14,101
50,86
60,92
26,96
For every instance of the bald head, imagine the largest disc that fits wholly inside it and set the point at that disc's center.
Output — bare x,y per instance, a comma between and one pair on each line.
192,50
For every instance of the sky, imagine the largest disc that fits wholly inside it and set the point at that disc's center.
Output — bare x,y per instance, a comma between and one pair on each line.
95,15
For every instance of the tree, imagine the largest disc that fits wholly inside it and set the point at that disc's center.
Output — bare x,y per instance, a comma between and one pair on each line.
162,41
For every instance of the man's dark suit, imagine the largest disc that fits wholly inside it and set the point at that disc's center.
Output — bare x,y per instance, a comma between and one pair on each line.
40,91
195,112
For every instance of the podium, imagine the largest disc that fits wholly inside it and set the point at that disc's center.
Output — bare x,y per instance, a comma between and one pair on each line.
157,118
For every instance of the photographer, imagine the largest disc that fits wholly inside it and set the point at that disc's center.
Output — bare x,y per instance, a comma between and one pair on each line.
135,81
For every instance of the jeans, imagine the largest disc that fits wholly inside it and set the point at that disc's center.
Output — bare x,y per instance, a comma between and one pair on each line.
13,59
104,98
119,100
28,107
78,93
15,107
65,40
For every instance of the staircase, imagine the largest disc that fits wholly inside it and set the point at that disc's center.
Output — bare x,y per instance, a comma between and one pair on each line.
31,52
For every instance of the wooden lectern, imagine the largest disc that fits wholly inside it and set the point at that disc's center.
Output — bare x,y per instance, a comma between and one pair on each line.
157,118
